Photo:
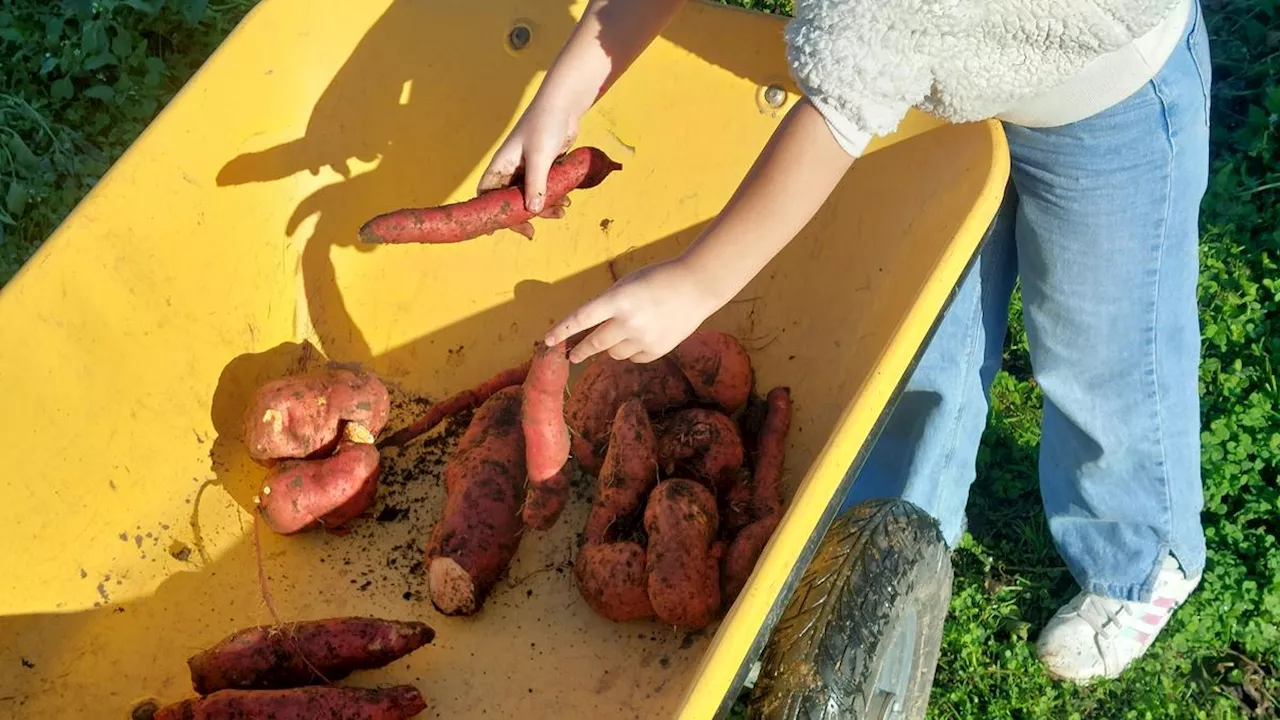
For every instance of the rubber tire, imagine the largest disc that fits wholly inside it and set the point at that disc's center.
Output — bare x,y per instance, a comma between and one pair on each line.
878,561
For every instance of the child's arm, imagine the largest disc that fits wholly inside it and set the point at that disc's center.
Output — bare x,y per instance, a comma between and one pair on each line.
647,313
604,43
795,174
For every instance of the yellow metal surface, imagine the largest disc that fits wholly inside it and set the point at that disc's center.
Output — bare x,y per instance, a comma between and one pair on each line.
223,243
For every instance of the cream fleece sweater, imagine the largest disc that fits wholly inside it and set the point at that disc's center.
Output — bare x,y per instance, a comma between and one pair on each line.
1040,63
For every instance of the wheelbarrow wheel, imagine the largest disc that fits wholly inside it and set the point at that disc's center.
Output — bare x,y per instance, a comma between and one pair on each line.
860,637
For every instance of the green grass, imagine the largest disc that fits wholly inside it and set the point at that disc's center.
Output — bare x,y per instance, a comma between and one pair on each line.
1218,658
82,79
79,82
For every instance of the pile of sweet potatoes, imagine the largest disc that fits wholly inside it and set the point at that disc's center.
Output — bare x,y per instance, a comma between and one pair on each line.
687,464
287,672
315,433
682,509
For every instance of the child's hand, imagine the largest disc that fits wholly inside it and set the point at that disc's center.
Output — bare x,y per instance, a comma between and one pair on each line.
643,316
544,132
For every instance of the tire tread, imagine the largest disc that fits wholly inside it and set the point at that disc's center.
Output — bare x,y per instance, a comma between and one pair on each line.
819,660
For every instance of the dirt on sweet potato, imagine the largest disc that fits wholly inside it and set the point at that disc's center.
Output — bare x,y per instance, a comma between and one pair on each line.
480,527
701,443
611,578
305,416
546,436
717,366
682,562
629,472
490,211
399,702
736,503
604,385
299,495
765,507
468,399
741,555
311,652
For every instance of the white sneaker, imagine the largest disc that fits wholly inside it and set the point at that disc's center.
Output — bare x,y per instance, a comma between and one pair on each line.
1095,636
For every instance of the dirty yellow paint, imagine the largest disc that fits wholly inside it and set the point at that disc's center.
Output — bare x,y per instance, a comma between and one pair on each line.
223,245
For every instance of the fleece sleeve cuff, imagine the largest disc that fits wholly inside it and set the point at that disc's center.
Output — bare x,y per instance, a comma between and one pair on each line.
852,139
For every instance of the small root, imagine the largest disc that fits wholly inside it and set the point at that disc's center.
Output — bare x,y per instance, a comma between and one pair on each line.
262,570
758,347
270,603
525,578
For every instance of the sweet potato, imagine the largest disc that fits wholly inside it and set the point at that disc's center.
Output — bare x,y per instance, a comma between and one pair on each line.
490,211
398,702
682,567
629,472
750,423
268,656
305,416
718,368
613,581
702,443
709,365
480,528
611,576
604,385
465,400
766,496
301,494
546,436
743,552
767,488
735,505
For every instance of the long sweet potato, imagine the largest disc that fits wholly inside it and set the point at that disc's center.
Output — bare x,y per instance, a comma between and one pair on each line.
268,656
546,436
629,472
682,566
604,385
767,489
766,497
703,443
480,528
304,416
466,400
611,578
717,366
301,494
490,211
398,702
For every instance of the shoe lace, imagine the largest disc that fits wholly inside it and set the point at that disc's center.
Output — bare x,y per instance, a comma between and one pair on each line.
1106,618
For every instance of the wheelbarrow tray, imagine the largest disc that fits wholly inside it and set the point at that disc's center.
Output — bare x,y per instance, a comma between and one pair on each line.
221,252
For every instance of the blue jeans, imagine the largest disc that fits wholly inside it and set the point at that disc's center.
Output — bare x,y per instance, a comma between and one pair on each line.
1100,223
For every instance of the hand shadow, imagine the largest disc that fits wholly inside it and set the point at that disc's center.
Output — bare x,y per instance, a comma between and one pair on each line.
402,100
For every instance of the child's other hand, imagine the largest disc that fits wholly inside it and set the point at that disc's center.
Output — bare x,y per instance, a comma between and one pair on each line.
544,132
641,317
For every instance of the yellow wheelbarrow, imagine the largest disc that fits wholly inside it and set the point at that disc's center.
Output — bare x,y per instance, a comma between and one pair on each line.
221,252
